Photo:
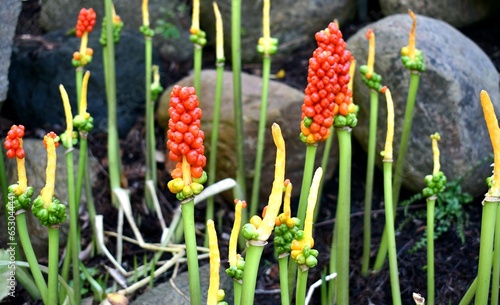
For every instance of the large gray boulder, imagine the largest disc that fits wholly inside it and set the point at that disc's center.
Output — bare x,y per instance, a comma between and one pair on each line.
9,12
284,108
447,99
456,12
293,22
37,70
172,18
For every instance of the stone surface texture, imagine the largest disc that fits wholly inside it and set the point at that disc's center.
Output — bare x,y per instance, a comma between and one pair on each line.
447,99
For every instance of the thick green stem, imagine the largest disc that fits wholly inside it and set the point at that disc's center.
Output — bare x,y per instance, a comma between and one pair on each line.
469,295
237,292
109,71
343,215
198,52
486,251
389,223
300,298
24,237
238,111
191,251
283,266
73,225
324,165
212,162
53,265
398,173
266,71
79,80
151,173
495,278
431,202
370,170
252,261
306,181
333,264
82,166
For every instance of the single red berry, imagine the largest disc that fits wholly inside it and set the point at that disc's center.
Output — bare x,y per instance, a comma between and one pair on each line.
10,153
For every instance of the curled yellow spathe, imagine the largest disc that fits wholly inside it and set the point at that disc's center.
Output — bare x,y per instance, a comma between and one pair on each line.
266,24
67,111
494,131
83,98
435,152
233,240
22,182
195,23
387,153
352,69
276,197
409,50
311,205
219,33
371,52
213,246
145,13
50,172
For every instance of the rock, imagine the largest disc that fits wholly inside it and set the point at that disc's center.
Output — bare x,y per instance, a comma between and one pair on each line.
36,162
447,99
172,19
293,23
165,294
38,70
457,13
9,12
284,108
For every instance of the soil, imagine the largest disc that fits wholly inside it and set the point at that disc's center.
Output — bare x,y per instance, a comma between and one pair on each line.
455,261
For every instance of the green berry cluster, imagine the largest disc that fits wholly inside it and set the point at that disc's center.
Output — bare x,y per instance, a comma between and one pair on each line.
23,200
84,122
416,64
435,184
147,31
117,30
250,232
54,214
285,233
351,119
221,295
267,46
236,271
183,191
156,90
308,257
198,38
69,140
373,81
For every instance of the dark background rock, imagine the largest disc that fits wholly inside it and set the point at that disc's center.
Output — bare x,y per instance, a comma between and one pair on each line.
308,17
447,99
9,12
284,108
458,13
40,66
175,16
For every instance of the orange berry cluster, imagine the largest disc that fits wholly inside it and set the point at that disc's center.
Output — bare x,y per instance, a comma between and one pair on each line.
185,138
327,93
12,143
86,21
54,136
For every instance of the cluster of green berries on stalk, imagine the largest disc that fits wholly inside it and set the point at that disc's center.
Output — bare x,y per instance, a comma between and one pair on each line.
198,37
236,271
84,123
304,255
435,184
414,64
53,214
117,30
69,139
285,231
13,142
23,200
373,80
147,31
267,46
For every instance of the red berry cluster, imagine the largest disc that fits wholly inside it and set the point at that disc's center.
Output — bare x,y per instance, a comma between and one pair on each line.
327,93
86,21
185,138
13,142
54,136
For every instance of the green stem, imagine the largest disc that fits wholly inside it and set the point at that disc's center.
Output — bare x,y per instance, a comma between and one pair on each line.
333,264
283,266
82,166
252,261
343,215
301,286
198,52
485,252
495,279
109,71
3,181
306,181
79,80
431,202
389,223
469,295
212,162
238,111
151,173
266,70
398,174
24,237
370,170
73,224
53,265
237,292
191,251
324,165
